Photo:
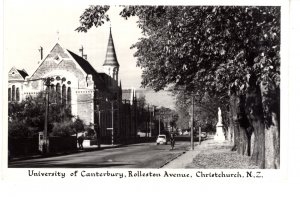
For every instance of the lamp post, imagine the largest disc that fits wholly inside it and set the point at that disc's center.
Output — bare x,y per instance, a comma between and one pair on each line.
47,83
192,125
99,127
150,123
112,122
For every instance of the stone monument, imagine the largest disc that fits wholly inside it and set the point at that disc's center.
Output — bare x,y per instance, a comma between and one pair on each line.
219,136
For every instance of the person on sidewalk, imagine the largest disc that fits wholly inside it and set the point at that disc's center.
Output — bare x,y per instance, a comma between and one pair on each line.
80,142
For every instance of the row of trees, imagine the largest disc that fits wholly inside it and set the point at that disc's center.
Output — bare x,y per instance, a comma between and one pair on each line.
226,53
27,118
152,116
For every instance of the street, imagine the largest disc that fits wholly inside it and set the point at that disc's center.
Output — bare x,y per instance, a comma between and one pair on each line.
144,155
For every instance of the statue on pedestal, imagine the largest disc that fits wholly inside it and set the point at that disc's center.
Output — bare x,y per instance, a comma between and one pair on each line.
219,117
219,128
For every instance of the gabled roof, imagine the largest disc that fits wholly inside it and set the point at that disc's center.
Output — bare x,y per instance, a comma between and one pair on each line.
111,57
88,68
23,73
85,65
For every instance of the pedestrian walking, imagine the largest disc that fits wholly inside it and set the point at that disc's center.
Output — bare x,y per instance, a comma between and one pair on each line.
80,142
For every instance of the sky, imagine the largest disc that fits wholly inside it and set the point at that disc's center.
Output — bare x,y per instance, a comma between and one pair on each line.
31,24
26,29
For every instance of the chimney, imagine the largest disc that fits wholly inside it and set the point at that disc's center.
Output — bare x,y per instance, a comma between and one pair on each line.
81,50
41,52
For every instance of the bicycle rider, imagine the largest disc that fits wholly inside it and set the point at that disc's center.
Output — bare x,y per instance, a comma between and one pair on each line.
172,140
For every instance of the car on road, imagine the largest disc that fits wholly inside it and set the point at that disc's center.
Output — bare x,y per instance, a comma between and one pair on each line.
161,139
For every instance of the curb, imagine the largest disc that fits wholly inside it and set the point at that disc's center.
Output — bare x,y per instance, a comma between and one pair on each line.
172,159
62,153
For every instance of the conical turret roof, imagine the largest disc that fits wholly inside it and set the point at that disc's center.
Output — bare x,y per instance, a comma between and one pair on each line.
111,57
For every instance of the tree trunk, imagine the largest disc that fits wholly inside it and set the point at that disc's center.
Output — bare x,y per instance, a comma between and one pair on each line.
252,143
271,103
234,118
245,131
272,146
258,155
230,131
230,134
254,111
240,123
244,142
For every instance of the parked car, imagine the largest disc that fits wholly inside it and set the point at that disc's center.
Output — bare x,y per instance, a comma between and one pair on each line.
203,135
161,139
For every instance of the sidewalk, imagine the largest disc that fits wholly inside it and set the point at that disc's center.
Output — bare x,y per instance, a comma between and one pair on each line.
211,154
186,159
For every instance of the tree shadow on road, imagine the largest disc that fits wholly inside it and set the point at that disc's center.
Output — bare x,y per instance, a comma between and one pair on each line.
43,164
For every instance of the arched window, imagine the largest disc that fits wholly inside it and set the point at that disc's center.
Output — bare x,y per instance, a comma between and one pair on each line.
64,96
58,94
17,94
9,94
13,94
69,97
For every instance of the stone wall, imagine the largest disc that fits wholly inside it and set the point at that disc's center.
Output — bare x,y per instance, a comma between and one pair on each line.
85,105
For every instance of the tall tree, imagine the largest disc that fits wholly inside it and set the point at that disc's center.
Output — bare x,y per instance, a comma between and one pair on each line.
229,52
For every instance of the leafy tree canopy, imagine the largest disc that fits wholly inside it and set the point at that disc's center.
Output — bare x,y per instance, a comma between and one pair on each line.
204,48
27,117
198,49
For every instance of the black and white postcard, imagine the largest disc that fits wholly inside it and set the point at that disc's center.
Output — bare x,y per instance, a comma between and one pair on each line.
161,92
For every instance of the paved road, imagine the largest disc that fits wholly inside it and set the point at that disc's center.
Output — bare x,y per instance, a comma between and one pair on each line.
145,155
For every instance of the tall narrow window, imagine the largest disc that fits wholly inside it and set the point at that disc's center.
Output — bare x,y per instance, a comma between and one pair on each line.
52,94
114,74
64,96
58,94
9,94
69,97
17,94
13,94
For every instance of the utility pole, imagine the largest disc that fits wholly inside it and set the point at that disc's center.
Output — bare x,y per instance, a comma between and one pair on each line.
199,135
99,129
150,125
192,129
159,124
112,123
46,144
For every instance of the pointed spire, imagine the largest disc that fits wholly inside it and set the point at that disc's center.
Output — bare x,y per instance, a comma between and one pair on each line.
111,57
